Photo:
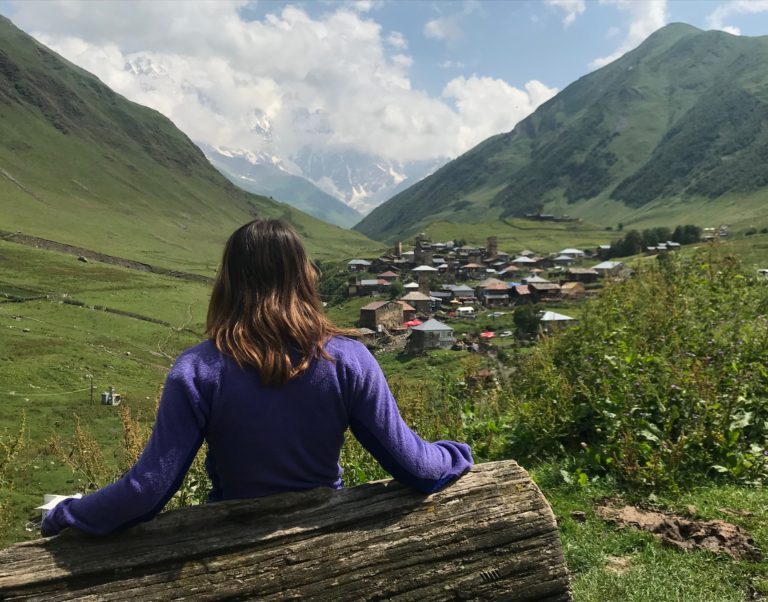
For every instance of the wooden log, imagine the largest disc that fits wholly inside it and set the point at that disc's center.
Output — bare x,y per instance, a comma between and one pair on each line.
489,536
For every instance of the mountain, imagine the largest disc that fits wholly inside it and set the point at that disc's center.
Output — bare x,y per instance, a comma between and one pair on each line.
80,164
265,175
362,180
674,131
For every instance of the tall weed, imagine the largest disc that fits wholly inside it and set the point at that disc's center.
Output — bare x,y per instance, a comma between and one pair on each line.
85,457
10,449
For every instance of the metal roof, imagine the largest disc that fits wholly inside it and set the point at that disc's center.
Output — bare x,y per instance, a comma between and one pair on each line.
375,305
415,296
607,265
551,316
433,326
463,288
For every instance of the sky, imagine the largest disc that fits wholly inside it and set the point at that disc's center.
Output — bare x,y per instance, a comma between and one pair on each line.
399,79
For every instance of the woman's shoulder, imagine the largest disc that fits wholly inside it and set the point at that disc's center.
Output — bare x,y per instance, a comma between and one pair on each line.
341,347
203,357
350,355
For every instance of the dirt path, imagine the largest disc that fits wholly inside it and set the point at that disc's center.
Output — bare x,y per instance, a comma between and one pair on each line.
52,245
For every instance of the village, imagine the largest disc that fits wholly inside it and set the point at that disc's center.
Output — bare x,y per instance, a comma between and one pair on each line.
422,295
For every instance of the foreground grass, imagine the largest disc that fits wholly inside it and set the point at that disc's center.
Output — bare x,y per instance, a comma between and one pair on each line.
629,565
63,343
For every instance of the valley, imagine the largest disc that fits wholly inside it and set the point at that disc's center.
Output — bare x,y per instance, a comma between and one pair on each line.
112,224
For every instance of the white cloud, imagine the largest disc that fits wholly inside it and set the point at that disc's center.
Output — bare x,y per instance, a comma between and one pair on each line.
448,28
363,6
448,64
645,18
397,40
490,106
717,18
277,84
443,28
571,8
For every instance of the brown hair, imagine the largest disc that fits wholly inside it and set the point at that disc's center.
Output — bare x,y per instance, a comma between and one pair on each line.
265,310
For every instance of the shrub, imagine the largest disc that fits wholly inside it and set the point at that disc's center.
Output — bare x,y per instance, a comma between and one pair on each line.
663,380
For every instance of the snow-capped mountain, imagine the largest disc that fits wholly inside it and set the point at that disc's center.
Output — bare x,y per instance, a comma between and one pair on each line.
360,180
363,181
267,175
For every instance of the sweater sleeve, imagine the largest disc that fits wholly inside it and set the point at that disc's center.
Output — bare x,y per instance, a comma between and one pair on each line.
143,491
376,422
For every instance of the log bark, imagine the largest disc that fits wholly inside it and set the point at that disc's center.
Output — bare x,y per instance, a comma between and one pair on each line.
488,536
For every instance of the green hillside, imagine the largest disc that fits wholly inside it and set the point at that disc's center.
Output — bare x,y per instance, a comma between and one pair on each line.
676,129
82,165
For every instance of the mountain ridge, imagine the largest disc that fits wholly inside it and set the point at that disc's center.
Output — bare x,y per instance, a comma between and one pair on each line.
82,165
600,147
267,177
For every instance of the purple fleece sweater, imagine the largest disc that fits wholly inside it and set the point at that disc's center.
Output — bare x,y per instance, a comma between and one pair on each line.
264,440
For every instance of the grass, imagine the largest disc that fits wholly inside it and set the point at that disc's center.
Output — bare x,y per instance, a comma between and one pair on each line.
64,343
48,349
515,235
629,565
116,177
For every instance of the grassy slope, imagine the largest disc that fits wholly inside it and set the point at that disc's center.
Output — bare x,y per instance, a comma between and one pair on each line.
82,165
64,343
514,235
661,121
48,347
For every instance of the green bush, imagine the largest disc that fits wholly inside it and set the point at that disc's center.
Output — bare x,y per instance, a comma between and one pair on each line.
663,380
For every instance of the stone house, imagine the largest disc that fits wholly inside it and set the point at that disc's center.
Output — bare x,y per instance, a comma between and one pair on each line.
388,314
572,290
541,291
585,275
521,294
432,334
358,265
421,302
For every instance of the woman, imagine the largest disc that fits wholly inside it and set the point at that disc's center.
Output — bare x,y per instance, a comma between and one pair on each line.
272,391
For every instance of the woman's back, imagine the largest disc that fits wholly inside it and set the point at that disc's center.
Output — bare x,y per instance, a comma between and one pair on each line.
272,392
265,440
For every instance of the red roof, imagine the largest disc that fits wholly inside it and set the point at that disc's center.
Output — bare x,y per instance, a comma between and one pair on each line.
414,322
